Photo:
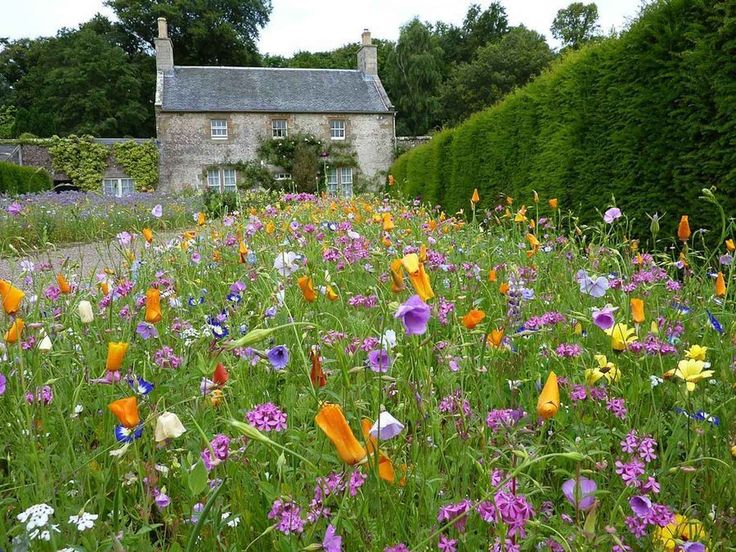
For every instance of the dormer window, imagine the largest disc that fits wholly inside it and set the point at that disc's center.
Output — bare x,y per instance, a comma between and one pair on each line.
218,129
337,129
279,128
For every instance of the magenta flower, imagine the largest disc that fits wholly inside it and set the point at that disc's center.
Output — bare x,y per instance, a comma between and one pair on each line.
15,209
581,493
267,417
332,541
414,314
3,384
603,318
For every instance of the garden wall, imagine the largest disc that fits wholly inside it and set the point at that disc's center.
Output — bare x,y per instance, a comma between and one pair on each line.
649,118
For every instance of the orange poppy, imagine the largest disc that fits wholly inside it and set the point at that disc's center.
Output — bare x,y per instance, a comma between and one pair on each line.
220,375
476,197
388,222
13,334
683,230
504,288
637,310
153,305
270,227
553,203
549,400
397,276
391,180
720,285
317,376
115,355
126,411
330,294
332,422
11,296
492,277
305,284
147,234
417,276
201,218
385,467
104,288
730,246
495,338
243,252
64,286
473,318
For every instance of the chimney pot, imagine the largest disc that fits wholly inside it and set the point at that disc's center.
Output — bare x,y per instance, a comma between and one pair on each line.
366,36
163,29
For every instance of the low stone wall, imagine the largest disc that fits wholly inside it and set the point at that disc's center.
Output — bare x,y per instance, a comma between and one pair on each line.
405,143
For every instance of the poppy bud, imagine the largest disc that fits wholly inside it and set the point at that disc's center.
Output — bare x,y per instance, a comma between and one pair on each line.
220,375
549,400
85,312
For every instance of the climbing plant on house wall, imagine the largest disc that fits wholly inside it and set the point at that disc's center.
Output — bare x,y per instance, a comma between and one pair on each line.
80,158
140,162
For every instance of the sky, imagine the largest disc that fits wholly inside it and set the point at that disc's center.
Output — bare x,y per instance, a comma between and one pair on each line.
317,25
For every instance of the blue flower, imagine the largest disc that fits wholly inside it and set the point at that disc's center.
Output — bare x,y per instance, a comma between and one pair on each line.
715,323
194,302
219,331
140,386
278,357
251,258
234,297
684,309
126,435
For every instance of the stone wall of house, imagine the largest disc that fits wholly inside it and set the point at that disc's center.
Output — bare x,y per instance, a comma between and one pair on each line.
187,149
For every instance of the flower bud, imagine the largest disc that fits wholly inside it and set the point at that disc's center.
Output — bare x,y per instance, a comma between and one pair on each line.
168,426
85,312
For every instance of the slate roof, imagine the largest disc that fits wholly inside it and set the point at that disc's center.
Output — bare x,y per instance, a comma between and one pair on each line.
258,89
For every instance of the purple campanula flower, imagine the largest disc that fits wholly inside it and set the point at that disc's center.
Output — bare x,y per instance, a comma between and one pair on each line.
386,427
641,506
124,238
157,211
580,493
603,318
414,314
146,331
379,361
611,215
278,357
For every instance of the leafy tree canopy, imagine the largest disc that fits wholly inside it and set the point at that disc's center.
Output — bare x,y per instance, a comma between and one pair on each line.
576,24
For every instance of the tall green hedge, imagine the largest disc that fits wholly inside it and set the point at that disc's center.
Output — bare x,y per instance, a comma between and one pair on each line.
649,117
16,180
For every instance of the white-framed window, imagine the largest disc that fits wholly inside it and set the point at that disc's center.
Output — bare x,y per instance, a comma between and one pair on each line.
279,128
346,181
218,129
118,187
337,129
332,181
222,180
282,176
340,181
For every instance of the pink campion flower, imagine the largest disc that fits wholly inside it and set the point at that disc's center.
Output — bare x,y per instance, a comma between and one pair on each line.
356,482
332,542
611,215
447,544
630,472
457,513
3,384
267,417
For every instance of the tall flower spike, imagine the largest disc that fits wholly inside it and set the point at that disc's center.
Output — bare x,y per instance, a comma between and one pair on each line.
153,306
332,422
549,400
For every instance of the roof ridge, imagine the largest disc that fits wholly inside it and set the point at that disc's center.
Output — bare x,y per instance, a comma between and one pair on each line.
265,68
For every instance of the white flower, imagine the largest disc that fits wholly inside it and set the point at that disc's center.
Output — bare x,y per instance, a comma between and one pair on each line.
36,516
168,426
85,312
388,340
286,263
353,235
77,411
27,266
655,381
83,521
43,535
45,344
231,521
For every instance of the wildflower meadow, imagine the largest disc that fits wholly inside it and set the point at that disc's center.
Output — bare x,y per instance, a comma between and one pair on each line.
314,373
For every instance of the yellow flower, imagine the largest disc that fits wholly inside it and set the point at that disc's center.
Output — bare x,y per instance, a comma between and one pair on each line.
691,372
621,336
417,276
696,352
605,369
549,399
682,529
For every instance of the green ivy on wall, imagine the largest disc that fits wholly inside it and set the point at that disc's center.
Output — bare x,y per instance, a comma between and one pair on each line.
80,158
139,161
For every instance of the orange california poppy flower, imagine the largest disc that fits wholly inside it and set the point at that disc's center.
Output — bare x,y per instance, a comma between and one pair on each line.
683,230
637,310
332,422
492,277
475,197
201,218
243,252
553,203
473,318
417,276
153,305
397,276
422,253
388,222
317,376
305,284
147,234
495,338
431,225
220,375
64,286
503,288
386,241
385,467
115,355
11,296
13,334
730,246
720,285
391,180
549,400
331,294
126,411
104,288
270,227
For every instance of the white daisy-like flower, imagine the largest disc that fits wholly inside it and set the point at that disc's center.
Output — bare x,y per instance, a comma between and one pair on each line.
231,521
36,516
83,521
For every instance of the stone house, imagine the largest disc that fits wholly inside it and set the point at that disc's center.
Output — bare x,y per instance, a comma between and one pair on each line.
210,119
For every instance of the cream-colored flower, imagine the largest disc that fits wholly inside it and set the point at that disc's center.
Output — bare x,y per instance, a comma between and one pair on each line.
168,426
86,315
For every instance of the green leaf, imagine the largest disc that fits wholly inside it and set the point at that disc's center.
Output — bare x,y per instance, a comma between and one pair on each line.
198,479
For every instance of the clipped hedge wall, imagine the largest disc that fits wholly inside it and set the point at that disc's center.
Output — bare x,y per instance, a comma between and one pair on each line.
16,180
649,117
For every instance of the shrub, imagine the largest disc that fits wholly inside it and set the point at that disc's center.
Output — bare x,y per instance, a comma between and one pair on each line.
647,118
16,180
217,204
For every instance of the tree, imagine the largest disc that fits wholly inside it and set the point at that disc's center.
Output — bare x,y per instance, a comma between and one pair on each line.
204,32
497,69
576,24
479,28
413,77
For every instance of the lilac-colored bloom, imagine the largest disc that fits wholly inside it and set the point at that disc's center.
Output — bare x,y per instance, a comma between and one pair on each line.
332,541
157,211
278,357
693,547
386,427
603,318
124,238
641,506
14,209
612,214
595,287
414,314
580,493
379,361
3,384
267,417
237,287
146,330
162,500
447,544
109,378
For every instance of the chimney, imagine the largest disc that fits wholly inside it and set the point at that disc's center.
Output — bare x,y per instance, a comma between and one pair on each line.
164,48
368,55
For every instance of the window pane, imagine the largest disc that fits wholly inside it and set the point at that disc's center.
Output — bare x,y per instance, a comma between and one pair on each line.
213,178
127,186
279,128
110,187
218,128
337,129
346,175
332,181
230,179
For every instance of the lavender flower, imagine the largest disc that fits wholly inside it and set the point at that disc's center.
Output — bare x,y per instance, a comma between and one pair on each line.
267,417
414,314
278,357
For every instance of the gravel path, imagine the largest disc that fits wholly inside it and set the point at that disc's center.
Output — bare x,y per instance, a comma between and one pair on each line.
83,259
